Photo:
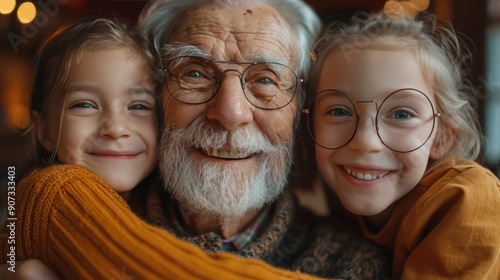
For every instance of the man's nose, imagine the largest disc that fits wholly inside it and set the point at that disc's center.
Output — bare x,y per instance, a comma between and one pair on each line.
230,107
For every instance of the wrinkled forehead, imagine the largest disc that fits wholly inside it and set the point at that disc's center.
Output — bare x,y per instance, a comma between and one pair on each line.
236,33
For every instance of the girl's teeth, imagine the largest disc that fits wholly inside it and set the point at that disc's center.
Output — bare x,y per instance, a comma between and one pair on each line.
362,176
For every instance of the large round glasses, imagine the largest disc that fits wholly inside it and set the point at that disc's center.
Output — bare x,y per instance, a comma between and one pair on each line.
195,80
404,120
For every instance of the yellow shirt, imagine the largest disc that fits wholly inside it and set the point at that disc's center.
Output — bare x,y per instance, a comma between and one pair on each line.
447,227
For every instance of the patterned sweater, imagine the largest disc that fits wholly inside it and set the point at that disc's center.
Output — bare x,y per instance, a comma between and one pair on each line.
293,239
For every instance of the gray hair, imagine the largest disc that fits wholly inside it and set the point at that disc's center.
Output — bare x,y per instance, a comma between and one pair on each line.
159,18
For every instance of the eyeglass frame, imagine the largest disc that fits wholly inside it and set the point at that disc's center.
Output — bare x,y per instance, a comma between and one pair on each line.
240,74
309,120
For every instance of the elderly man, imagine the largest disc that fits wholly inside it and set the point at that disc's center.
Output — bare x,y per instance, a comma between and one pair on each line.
229,105
231,94
232,88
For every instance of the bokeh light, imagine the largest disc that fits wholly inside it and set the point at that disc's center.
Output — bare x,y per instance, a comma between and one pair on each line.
409,8
393,8
26,12
421,5
7,6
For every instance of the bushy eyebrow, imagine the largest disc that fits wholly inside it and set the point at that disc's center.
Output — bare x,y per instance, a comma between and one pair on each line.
170,51
267,58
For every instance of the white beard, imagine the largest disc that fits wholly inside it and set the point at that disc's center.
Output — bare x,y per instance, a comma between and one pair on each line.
222,191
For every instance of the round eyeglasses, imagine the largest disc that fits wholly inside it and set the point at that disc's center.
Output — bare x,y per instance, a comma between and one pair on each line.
404,120
196,80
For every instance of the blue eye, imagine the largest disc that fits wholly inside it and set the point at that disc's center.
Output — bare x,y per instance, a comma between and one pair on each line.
339,112
83,105
194,74
266,81
402,115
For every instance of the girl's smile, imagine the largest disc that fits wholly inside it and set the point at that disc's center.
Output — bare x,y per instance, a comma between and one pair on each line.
365,172
109,121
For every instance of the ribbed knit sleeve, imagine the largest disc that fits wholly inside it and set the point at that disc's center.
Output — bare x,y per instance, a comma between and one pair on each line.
81,228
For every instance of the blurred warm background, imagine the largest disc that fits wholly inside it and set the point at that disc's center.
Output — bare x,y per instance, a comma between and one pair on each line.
25,23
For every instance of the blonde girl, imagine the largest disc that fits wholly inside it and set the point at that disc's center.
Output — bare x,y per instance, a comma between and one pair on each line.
394,136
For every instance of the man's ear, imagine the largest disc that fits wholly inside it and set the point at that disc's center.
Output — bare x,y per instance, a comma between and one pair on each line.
443,141
42,132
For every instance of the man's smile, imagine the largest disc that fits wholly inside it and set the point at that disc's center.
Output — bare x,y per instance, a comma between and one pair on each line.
227,154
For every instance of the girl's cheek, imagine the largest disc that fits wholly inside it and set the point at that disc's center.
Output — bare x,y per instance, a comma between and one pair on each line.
415,162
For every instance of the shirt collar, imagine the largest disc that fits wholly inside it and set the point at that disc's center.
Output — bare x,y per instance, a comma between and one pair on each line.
236,242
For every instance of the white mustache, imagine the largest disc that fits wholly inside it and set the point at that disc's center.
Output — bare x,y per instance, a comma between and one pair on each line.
216,141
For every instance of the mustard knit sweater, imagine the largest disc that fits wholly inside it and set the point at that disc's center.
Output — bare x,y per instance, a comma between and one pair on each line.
447,227
77,225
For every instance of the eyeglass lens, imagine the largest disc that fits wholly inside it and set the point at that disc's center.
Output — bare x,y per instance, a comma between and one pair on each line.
404,120
195,80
